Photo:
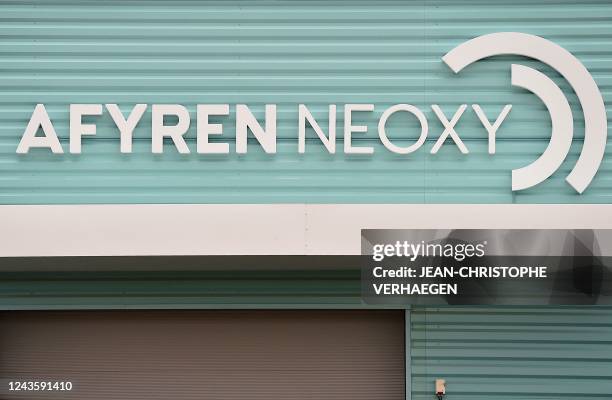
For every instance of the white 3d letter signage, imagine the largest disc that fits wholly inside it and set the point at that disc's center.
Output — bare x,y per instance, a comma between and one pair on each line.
169,123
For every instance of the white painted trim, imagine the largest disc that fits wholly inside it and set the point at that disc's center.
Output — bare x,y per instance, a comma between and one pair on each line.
250,229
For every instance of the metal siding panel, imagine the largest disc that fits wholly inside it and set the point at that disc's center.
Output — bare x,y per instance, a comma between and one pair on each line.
180,282
512,353
290,52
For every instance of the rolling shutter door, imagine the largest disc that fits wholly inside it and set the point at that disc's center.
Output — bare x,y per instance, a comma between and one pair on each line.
512,353
207,354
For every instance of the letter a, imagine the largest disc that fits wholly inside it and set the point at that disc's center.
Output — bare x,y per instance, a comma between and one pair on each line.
39,119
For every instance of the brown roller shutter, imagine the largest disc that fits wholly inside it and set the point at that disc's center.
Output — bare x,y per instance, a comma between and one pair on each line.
214,355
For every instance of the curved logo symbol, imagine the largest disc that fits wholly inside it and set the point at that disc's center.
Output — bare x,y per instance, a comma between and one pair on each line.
581,81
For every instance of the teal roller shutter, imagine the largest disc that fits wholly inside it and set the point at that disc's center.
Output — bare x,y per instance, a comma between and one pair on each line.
512,353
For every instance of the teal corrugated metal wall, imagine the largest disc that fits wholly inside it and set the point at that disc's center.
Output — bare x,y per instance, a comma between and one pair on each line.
180,282
501,353
285,52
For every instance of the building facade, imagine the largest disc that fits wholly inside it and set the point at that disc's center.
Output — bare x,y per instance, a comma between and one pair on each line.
209,247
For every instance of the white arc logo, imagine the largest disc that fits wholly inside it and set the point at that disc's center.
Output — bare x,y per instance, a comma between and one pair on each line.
581,81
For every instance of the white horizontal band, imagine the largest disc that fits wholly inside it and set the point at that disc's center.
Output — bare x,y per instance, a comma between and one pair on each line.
255,229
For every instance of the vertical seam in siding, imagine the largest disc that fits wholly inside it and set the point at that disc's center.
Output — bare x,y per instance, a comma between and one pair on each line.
407,356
